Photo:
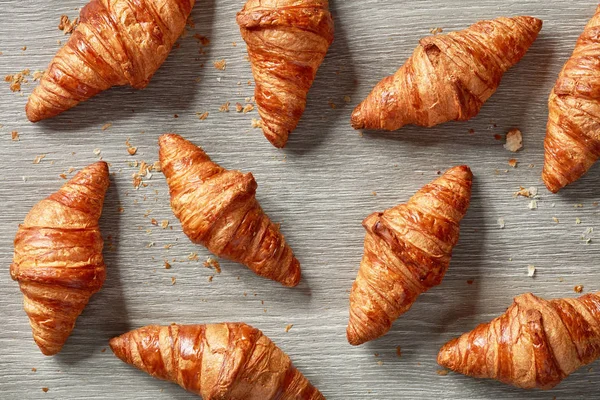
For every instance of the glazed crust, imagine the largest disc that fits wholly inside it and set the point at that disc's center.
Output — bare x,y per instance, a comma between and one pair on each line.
58,256
535,344
231,361
117,42
287,41
573,134
218,209
448,77
407,252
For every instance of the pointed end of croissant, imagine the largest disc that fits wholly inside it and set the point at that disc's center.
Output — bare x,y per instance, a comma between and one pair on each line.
534,24
118,345
33,115
277,137
294,274
553,184
462,172
447,357
357,120
353,338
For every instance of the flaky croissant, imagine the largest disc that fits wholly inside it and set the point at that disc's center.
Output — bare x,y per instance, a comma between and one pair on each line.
573,134
448,77
222,361
535,344
218,209
287,41
117,42
407,252
58,256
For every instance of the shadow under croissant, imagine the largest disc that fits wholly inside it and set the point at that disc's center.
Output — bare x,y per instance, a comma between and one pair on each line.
106,315
335,79
171,90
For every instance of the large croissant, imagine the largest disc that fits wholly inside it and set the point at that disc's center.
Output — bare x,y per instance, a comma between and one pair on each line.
572,138
58,256
449,77
217,362
535,344
117,42
218,209
287,41
407,252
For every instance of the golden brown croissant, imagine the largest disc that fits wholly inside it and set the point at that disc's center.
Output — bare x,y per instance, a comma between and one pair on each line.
407,252
221,361
117,42
287,41
58,256
448,77
535,344
218,209
572,138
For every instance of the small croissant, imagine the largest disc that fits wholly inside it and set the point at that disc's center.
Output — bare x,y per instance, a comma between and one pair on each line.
448,77
218,209
407,252
536,343
287,41
221,361
572,137
58,256
117,42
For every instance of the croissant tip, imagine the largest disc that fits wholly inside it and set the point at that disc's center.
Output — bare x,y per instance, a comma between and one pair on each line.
357,121
444,357
353,338
32,116
464,170
116,345
551,184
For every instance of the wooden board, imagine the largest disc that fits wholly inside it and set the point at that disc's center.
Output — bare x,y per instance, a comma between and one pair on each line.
319,188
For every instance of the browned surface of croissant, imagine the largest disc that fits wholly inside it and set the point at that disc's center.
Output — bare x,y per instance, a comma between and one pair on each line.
407,252
217,362
448,77
58,256
117,42
573,133
218,209
287,41
535,344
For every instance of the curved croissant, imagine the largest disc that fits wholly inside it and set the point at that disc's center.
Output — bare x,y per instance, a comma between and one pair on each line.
58,256
448,77
218,209
117,42
535,344
572,140
287,41
221,361
407,252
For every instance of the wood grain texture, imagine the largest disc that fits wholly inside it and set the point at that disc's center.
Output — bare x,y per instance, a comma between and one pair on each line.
319,188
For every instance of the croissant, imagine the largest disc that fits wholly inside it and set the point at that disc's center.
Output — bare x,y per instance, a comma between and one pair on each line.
407,252
221,361
117,42
572,142
58,256
536,343
287,41
448,77
218,209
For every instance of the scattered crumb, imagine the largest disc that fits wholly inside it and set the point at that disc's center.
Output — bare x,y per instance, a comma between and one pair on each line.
398,351
442,372
167,265
173,279
220,64
374,193
153,221
248,108
498,137
501,223
106,126
380,363
39,158
578,288
202,116
530,270
193,257
577,221
234,44
288,327
63,176
24,48
203,40
256,123
45,389
103,350
239,107
17,79
533,205
66,25
15,136
555,219
470,282
121,210
514,140
224,107
130,149
347,99
513,162
33,369
530,193
212,263
37,75
332,104
164,224
471,131
435,31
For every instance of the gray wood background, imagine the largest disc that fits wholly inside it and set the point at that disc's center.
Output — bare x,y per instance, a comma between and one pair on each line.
319,188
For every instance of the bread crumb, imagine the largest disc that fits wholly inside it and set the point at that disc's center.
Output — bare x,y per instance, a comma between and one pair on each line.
173,280
332,105
17,79
33,369
130,149
210,278
164,224
533,205
15,136
66,25
530,270
202,116
248,108
555,219
202,40
347,99
374,193
224,107
435,31
471,131
167,265
470,282
63,176
380,363
193,257
513,162
220,64
577,221
398,351
530,193
39,158
578,288
212,263
153,221
256,123
24,48
288,327
103,350
442,372
106,126
514,140
501,223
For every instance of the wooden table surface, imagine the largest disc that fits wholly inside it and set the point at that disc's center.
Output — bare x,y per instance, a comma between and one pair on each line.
320,188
